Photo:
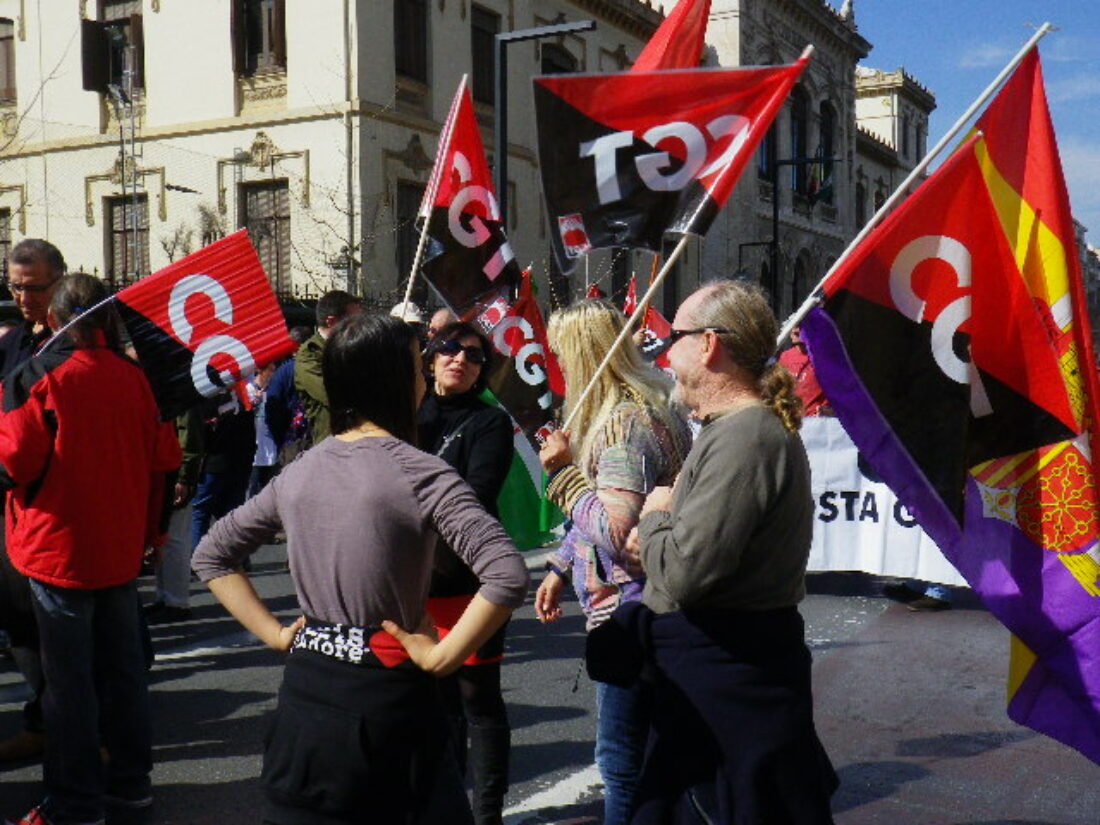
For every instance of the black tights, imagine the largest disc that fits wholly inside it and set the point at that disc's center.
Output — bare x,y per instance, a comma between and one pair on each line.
475,708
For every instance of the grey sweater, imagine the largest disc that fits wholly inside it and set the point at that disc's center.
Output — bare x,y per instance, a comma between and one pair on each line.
738,534
361,520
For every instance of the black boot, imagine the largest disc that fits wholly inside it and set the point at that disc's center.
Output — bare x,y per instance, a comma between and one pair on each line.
488,761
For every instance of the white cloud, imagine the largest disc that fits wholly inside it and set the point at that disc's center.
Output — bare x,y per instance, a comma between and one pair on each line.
1073,88
985,55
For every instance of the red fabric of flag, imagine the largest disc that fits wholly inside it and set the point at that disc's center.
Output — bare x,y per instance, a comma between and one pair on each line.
469,257
204,323
678,42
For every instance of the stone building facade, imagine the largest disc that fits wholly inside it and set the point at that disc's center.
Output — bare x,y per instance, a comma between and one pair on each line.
313,124
135,131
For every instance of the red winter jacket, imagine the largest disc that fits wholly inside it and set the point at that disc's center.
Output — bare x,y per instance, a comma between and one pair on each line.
83,448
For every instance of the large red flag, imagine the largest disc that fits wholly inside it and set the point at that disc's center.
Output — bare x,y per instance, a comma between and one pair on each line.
469,259
947,369
1056,694
627,157
202,324
678,42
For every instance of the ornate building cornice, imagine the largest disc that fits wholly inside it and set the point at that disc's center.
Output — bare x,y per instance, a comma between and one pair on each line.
638,18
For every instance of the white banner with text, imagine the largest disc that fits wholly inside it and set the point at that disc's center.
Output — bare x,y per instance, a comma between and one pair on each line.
858,522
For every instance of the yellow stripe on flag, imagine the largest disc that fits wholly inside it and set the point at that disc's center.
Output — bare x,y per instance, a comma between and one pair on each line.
1020,662
1040,255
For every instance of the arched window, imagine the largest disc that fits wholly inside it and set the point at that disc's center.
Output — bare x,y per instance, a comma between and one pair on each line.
861,205
826,148
800,117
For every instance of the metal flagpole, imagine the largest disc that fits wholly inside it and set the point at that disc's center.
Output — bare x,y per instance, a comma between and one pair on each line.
433,186
816,294
628,326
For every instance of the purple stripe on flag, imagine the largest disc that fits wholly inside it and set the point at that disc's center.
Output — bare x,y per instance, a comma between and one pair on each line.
1026,587
870,431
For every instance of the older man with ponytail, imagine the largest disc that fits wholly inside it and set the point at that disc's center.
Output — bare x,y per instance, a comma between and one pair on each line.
725,553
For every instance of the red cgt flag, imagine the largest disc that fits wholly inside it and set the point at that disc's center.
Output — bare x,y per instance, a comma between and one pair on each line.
627,157
469,260
678,43
202,324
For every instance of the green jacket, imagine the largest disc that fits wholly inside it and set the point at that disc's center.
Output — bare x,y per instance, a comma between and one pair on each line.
311,386
192,435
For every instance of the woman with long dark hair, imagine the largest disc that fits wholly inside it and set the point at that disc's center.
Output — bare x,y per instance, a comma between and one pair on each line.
476,439
359,734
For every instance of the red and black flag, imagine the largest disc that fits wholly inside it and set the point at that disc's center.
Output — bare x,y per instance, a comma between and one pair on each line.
204,323
468,259
678,42
627,157
527,378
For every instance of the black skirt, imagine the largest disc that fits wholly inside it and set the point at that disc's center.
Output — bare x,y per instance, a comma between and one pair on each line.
733,739
355,744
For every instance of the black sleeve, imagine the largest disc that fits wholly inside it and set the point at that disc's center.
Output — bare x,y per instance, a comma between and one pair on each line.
489,456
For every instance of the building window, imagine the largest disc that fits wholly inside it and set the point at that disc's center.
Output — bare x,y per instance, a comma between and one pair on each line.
7,61
485,27
555,59
265,213
861,205
125,41
410,39
127,237
800,123
905,137
5,241
826,146
922,140
766,154
409,196
113,48
259,36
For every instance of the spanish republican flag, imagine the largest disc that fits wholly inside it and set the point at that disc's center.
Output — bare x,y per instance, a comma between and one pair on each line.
955,348
1050,688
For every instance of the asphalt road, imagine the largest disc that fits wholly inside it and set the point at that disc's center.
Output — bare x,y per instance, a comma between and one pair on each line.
909,706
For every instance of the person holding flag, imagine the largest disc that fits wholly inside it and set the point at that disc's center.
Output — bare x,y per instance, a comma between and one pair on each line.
476,439
725,552
628,439
78,531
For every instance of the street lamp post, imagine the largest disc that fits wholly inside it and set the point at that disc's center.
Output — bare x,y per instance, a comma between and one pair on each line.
500,113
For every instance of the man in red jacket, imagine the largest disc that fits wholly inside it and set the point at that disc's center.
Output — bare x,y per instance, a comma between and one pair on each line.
85,456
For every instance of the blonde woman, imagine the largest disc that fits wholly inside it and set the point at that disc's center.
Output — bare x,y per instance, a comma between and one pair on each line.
626,439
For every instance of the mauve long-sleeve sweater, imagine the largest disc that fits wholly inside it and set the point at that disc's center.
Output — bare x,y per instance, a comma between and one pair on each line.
361,520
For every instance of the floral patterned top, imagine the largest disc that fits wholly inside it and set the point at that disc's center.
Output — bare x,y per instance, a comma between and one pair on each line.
633,453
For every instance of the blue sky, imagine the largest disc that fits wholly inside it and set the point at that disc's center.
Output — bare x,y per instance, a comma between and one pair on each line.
957,47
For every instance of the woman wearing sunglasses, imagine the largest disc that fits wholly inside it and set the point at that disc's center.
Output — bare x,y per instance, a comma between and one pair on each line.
626,440
476,439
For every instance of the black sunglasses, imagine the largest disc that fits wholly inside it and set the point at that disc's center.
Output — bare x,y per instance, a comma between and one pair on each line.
474,354
660,346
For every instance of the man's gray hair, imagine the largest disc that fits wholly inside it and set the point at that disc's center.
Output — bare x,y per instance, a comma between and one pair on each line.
32,250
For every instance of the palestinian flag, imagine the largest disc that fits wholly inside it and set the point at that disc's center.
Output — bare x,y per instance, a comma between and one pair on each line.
627,157
204,323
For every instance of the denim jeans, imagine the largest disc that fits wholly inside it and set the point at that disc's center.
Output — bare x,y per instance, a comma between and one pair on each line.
174,570
217,494
622,728
97,693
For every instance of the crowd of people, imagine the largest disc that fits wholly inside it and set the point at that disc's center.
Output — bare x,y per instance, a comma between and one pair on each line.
376,454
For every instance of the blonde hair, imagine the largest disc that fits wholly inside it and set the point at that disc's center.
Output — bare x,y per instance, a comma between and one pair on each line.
744,310
581,335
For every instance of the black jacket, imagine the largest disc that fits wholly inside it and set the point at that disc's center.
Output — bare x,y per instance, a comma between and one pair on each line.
475,439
